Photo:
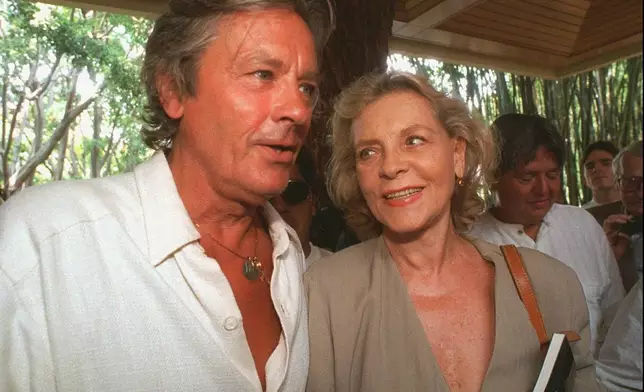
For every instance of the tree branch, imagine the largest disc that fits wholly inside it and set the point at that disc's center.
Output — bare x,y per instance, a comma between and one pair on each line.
30,166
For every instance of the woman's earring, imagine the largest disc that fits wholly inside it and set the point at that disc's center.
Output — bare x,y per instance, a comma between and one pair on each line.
459,181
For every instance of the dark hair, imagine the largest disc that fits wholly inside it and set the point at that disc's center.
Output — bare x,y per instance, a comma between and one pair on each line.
519,136
306,165
182,34
602,145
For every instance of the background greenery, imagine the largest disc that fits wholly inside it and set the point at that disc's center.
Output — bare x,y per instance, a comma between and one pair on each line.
72,101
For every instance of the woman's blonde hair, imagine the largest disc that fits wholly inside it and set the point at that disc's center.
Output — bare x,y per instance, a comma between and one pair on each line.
452,114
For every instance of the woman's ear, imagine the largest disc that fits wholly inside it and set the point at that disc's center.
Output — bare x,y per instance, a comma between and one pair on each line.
170,99
460,147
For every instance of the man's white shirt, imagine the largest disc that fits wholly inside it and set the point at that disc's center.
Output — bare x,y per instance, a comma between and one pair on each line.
571,235
619,366
104,287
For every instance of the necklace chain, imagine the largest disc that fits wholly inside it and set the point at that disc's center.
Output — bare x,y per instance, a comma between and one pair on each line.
252,268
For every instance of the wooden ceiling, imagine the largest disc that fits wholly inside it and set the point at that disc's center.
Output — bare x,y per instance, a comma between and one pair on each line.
547,38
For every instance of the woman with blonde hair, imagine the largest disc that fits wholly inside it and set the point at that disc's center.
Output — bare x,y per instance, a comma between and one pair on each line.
417,306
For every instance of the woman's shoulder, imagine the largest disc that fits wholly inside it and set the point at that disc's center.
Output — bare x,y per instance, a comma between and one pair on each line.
546,270
350,264
353,258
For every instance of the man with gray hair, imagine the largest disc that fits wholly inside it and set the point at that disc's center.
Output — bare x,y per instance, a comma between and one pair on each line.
179,276
624,231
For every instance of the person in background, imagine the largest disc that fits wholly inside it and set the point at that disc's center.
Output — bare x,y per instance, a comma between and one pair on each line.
528,181
619,365
597,163
297,204
417,306
624,230
178,276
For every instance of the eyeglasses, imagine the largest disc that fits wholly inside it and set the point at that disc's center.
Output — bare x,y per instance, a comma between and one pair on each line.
630,184
295,193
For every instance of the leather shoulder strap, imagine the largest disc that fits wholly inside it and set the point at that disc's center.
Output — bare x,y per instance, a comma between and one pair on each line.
524,287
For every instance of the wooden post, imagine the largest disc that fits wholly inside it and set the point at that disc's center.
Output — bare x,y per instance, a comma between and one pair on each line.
358,45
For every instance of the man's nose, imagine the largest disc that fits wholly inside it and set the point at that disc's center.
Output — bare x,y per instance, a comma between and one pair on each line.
541,186
292,105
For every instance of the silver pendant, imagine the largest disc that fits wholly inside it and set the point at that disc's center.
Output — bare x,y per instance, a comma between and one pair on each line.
252,268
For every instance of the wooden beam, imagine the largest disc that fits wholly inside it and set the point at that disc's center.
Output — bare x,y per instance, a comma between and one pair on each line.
607,54
457,56
484,48
443,11
141,8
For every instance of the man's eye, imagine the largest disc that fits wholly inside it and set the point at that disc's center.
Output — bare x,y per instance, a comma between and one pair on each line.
264,75
525,180
311,91
553,176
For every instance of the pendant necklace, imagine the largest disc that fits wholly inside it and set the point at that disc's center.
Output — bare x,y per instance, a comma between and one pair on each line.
252,268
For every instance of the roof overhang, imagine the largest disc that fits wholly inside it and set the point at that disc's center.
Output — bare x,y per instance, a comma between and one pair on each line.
545,38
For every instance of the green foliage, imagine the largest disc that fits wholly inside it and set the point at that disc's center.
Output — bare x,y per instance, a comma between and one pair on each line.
68,58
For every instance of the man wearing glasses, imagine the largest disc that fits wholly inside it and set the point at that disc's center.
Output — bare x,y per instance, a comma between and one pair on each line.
624,231
297,204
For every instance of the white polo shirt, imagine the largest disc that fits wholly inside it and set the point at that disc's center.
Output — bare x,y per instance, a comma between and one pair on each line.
104,287
571,235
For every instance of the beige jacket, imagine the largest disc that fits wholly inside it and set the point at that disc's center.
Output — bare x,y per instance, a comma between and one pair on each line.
365,335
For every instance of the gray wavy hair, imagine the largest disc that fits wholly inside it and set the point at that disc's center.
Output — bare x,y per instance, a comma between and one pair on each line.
634,149
452,114
182,34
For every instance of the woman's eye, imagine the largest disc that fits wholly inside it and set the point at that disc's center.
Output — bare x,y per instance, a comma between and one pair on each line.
415,140
365,154
264,75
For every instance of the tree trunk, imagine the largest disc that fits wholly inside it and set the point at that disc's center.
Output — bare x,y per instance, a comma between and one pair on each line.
358,45
94,158
39,126
527,95
506,104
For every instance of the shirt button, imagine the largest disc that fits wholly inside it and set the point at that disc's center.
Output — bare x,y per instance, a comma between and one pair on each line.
231,323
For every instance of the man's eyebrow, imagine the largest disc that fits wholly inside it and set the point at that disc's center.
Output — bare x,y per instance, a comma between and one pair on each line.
311,76
267,59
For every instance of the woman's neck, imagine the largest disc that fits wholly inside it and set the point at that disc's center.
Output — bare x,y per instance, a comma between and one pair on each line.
426,252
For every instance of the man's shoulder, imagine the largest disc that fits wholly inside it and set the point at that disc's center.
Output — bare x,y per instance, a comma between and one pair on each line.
572,217
488,228
47,209
601,212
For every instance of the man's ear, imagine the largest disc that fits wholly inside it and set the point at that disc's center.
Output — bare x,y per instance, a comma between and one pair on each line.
170,99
